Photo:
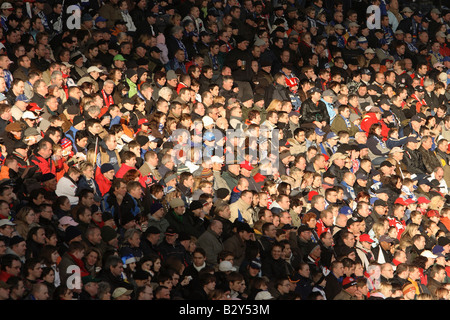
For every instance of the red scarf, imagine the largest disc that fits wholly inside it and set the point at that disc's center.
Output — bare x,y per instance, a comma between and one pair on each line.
80,264
108,99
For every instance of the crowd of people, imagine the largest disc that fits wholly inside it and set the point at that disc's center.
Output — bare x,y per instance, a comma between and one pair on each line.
224,150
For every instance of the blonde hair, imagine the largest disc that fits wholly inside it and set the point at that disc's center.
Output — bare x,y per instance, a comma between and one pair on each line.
436,203
91,156
219,99
273,105
377,228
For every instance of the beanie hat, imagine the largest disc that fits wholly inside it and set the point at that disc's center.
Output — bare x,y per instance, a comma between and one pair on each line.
155,207
48,176
72,233
152,230
126,218
130,73
196,204
106,167
108,234
222,193
77,120
142,140
206,173
128,259
65,143
408,288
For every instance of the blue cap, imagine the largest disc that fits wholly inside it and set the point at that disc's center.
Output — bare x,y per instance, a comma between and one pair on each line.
446,58
383,41
331,135
209,136
100,19
319,132
346,210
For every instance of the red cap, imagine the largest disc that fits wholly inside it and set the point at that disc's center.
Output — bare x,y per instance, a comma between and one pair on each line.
423,200
409,201
142,121
34,107
348,282
433,213
247,166
365,237
312,194
401,201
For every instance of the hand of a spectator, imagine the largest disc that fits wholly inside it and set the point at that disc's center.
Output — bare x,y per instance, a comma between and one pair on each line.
318,124
185,281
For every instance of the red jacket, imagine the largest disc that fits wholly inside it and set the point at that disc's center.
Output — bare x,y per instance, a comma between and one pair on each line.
45,165
123,169
103,184
371,118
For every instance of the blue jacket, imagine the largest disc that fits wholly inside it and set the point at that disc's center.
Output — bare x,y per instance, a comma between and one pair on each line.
235,195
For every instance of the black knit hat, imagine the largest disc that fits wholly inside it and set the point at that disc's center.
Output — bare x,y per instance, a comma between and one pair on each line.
71,233
108,234
77,120
222,193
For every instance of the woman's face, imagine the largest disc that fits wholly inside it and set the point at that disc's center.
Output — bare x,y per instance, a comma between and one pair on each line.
30,217
92,258
55,256
50,277
157,265
146,266
378,131
68,295
312,223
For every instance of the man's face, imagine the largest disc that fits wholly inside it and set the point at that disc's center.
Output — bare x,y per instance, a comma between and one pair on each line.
420,243
339,270
199,259
15,268
117,270
350,240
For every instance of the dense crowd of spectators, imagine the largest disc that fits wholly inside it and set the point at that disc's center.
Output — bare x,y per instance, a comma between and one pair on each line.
217,150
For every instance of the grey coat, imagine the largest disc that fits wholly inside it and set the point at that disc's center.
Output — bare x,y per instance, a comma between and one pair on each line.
212,244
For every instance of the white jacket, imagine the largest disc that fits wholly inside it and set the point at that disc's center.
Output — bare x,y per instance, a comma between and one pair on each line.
65,187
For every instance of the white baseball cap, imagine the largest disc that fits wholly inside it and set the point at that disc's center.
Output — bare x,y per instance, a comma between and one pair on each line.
29,115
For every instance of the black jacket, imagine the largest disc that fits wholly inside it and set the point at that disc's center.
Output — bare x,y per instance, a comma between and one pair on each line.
273,269
314,112
413,161
276,91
